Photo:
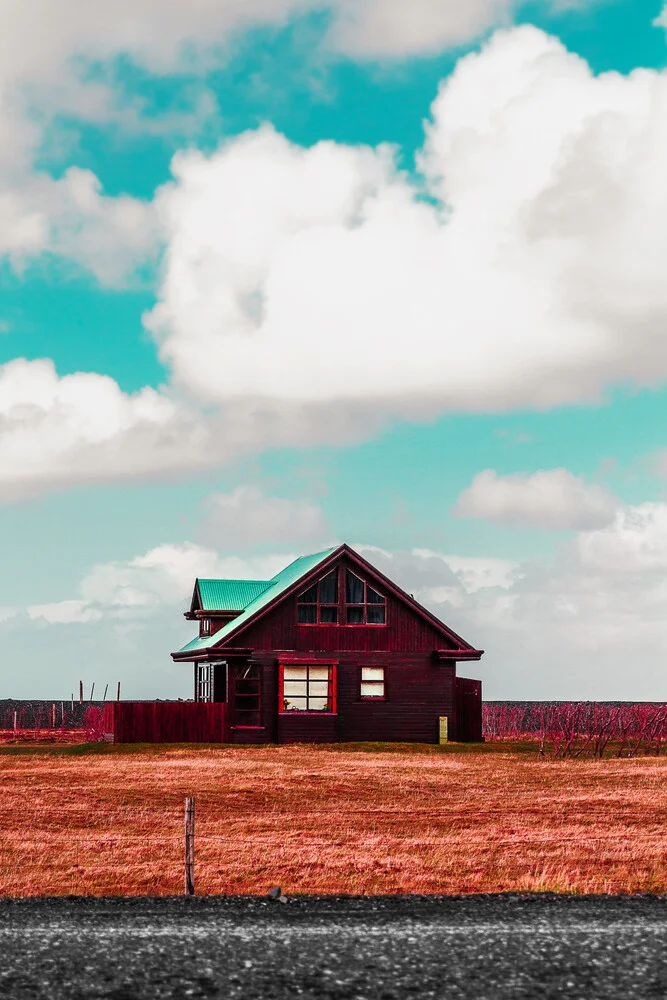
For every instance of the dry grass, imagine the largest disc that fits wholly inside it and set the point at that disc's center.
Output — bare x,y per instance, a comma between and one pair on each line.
330,821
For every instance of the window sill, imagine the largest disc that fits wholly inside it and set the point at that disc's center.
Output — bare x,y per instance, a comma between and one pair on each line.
312,715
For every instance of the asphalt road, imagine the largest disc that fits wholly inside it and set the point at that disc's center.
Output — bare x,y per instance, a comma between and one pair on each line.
334,948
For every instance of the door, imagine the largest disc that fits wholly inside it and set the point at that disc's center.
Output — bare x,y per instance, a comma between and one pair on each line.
247,696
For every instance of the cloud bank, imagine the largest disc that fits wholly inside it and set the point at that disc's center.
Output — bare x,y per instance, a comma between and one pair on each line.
308,296
553,500
589,625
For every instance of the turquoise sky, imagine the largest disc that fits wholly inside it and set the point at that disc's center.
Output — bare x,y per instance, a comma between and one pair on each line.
397,484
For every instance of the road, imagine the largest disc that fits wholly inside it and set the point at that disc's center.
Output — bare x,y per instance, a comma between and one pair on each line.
334,948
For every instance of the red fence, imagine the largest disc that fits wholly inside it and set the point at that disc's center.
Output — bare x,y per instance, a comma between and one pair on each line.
468,710
165,722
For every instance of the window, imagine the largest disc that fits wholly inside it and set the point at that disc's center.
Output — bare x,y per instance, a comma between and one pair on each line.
319,604
363,605
204,673
206,626
308,687
247,697
372,682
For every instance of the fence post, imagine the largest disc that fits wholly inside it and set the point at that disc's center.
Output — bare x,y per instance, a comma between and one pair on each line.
118,692
443,736
81,692
189,847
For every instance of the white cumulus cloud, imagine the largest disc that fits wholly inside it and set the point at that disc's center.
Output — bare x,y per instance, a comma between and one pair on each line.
82,428
533,277
551,499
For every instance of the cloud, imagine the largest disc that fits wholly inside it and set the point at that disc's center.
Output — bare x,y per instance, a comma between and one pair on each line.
69,67
532,278
58,432
550,499
578,627
392,28
64,612
145,586
636,542
589,624
309,295
82,428
247,517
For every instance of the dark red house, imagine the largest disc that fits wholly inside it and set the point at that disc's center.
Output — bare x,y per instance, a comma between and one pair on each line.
328,650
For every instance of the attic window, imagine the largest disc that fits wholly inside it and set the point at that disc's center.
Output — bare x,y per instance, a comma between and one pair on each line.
206,626
319,604
363,605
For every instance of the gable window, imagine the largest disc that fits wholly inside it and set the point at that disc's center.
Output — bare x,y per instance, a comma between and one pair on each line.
372,682
319,604
363,605
206,626
307,687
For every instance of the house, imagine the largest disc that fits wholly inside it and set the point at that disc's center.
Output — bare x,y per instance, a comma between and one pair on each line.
328,650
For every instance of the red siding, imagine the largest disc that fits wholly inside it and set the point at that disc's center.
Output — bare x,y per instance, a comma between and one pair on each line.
405,632
307,728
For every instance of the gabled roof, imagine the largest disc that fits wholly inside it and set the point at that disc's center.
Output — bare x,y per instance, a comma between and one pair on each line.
226,595
298,572
274,588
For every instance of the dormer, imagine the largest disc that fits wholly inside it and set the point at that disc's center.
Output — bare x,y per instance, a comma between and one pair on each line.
217,602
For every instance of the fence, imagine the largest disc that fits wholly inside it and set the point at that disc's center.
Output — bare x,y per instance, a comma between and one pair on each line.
576,729
53,721
165,722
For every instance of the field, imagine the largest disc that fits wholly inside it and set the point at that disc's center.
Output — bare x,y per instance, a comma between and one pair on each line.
106,820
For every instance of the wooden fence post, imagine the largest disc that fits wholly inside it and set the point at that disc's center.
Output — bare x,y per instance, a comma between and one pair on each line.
443,734
189,847
81,692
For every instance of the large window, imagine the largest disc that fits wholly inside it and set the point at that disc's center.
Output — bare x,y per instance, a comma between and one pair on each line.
307,687
363,605
372,682
319,604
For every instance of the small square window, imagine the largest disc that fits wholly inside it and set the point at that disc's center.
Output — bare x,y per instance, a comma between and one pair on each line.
372,682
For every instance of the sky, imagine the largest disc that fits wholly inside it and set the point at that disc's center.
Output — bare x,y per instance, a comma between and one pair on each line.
277,274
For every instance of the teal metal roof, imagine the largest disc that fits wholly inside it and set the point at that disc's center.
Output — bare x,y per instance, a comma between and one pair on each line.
277,585
230,595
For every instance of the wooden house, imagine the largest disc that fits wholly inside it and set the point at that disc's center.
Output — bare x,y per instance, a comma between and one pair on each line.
328,650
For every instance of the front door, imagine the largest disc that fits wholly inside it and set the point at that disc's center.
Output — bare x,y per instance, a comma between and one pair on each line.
247,696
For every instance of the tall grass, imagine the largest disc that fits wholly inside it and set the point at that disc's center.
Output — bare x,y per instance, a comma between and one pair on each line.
331,821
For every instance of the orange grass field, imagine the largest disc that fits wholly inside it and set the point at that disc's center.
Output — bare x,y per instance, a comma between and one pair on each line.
109,821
